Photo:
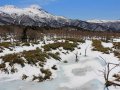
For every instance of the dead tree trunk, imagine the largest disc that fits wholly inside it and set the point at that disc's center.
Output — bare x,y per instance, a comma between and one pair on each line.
0,38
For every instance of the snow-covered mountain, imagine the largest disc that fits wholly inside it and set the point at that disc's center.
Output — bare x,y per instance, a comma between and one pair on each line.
109,24
33,11
36,16
33,15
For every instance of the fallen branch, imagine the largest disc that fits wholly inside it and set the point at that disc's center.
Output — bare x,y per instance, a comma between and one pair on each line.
109,83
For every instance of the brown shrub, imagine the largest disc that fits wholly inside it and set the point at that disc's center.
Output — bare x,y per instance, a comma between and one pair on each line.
98,47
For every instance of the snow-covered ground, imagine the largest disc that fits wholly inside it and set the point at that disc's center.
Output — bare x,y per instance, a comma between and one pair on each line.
82,75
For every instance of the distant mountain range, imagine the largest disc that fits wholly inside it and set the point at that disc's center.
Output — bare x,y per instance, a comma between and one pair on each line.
36,16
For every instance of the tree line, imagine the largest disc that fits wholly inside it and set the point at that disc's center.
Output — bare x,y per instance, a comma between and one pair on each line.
33,33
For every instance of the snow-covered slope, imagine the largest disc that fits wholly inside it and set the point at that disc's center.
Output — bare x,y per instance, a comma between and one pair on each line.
102,21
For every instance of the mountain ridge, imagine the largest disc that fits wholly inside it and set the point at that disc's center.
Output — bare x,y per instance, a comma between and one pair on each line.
102,21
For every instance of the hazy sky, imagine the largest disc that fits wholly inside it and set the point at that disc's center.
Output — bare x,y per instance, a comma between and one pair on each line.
78,9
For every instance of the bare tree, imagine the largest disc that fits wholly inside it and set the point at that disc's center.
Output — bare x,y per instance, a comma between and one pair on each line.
76,57
106,72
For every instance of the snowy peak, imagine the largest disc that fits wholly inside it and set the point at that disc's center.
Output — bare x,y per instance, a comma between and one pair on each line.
102,21
12,9
31,11
9,9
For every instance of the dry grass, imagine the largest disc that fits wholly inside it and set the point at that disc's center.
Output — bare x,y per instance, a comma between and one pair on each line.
55,56
5,44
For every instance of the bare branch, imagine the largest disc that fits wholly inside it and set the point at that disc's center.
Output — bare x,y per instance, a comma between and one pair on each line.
103,60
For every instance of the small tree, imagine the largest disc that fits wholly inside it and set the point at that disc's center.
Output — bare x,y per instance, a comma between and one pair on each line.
76,57
86,51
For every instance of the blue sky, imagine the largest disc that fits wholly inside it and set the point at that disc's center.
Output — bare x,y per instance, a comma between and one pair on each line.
77,9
